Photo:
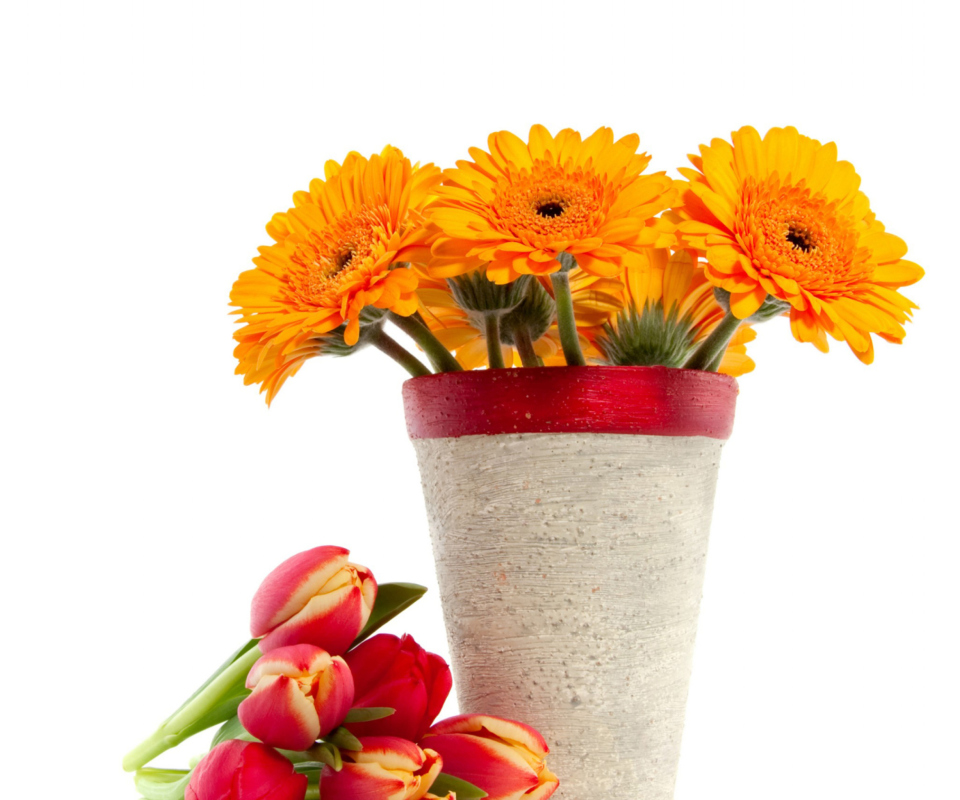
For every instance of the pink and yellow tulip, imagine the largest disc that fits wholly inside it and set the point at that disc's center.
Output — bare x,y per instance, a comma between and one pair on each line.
316,597
300,693
388,768
237,770
502,757
397,673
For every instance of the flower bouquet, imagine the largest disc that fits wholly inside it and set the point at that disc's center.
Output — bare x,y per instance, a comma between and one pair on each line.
569,485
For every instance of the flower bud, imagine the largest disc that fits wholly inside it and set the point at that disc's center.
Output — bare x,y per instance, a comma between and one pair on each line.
300,693
316,597
399,674
388,768
236,770
502,757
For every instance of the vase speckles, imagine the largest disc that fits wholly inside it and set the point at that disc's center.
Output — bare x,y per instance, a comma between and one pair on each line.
569,512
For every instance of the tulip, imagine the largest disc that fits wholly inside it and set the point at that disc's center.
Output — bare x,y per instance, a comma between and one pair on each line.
398,674
236,770
502,757
300,693
317,597
388,768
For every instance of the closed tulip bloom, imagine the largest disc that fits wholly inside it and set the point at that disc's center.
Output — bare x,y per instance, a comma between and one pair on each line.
399,674
388,768
502,757
316,597
300,693
236,770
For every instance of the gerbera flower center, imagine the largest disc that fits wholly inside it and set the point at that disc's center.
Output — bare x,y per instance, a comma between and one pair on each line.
796,234
324,258
549,203
800,239
550,209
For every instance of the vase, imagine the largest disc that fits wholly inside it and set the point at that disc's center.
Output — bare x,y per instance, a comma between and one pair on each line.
569,512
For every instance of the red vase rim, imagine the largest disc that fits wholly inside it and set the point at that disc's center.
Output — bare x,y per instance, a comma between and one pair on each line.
655,401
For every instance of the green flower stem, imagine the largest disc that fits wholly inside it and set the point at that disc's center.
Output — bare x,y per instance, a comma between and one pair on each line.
215,703
439,356
710,352
391,347
566,320
313,792
528,356
162,784
491,323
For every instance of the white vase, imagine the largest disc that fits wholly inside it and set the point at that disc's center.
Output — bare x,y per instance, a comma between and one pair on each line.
571,562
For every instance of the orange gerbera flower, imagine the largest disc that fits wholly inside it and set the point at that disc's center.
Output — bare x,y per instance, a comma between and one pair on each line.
667,308
522,204
340,249
781,216
594,300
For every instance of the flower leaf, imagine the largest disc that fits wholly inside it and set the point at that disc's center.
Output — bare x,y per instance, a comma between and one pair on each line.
343,739
392,598
231,729
368,714
445,784
162,784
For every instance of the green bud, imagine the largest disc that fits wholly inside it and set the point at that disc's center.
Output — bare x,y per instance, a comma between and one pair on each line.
648,338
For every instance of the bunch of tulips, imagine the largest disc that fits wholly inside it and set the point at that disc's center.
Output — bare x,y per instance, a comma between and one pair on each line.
316,706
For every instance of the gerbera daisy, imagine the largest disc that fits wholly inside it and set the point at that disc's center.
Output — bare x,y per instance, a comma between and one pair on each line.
342,248
668,307
781,217
544,206
519,206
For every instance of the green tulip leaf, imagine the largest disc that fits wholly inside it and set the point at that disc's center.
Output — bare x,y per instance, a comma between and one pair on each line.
368,714
343,739
445,784
161,784
231,729
392,598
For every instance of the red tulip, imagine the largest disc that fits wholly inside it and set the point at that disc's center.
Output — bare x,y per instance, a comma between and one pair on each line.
300,693
399,674
317,597
502,757
388,768
236,770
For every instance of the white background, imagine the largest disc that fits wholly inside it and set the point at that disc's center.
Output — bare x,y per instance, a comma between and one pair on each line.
146,491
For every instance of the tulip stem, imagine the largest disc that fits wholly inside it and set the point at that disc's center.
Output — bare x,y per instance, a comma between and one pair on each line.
439,356
216,702
710,352
566,319
313,792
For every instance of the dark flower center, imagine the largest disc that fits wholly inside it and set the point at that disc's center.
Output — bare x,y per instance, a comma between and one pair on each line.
800,239
552,209
344,259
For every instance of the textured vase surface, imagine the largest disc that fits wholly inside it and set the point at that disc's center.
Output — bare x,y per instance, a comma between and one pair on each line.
570,530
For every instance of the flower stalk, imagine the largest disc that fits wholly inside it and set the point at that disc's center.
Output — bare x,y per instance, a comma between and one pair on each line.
491,325
709,354
566,320
438,355
524,345
215,703
389,346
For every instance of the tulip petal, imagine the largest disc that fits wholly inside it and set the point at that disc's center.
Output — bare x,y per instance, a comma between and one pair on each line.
288,588
281,715
331,621
497,768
